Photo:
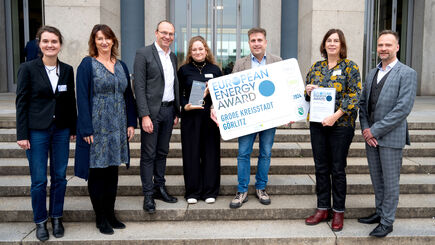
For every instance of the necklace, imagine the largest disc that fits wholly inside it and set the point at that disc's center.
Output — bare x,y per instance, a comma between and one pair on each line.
199,67
50,70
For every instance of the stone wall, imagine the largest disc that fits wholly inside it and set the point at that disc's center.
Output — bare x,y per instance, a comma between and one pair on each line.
316,17
75,19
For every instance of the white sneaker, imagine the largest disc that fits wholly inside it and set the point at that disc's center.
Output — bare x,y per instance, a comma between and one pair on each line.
191,201
210,200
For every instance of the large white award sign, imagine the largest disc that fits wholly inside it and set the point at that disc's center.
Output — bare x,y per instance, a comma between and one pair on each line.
258,99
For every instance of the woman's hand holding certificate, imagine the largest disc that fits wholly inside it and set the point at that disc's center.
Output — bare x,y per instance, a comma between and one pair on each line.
322,104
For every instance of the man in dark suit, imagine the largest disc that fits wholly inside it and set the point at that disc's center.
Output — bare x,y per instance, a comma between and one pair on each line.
157,96
386,101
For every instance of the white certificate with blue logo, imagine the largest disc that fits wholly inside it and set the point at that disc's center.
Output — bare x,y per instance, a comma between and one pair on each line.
322,104
258,99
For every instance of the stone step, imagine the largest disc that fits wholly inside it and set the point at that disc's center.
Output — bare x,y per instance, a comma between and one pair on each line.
229,149
284,165
10,122
406,232
129,208
18,185
282,135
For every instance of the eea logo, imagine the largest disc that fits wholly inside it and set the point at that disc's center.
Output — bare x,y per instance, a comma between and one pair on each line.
301,111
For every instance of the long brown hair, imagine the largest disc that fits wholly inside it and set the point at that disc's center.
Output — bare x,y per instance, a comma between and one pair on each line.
209,58
108,33
343,47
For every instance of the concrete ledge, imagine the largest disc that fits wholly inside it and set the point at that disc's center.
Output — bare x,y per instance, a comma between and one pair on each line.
406,232
277,185
279,165
280,149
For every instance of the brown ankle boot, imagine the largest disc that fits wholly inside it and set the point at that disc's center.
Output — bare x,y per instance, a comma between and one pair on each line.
319,216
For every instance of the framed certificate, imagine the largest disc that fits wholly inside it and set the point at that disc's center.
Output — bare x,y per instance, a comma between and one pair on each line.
322,104
196,97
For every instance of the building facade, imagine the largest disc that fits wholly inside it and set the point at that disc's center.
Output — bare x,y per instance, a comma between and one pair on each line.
294,29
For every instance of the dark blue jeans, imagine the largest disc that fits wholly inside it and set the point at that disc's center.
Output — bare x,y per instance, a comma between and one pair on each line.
246,143
55,142
330,147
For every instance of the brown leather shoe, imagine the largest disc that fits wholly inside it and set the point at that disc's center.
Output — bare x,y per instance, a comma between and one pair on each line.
337,221
319,216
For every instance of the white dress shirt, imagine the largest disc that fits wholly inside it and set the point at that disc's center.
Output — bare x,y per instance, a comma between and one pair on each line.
53,75
168,71
382,73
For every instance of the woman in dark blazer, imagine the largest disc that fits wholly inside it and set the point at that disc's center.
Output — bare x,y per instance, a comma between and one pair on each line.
46,120
105,124
200,138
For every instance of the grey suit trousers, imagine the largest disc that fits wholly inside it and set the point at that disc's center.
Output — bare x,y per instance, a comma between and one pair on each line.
384,164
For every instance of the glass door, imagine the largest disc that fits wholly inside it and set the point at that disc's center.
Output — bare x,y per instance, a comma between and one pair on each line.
223,23
22,22
394,15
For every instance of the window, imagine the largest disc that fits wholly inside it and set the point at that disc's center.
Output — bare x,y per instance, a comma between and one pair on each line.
223,23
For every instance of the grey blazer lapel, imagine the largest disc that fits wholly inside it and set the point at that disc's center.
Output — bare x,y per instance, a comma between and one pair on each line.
390,79
157,58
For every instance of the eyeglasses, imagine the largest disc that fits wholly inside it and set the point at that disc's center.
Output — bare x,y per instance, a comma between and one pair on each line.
171,34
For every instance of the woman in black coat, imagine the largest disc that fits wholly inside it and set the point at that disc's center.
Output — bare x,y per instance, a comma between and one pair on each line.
46,120
200,138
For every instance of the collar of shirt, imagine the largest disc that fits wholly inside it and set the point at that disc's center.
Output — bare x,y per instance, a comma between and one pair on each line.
389,66
256,63
160,50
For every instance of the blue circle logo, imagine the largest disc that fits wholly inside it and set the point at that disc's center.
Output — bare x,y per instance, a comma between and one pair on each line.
329,98
236,81
267,88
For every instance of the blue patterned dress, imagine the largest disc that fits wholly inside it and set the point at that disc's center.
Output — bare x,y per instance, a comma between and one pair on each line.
108,117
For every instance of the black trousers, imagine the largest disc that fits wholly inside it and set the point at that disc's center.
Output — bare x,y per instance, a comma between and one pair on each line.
200,141
102,187
330,148
154,150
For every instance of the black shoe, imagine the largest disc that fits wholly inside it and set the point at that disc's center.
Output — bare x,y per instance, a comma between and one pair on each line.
381,230
105,227
148,204
372,219
162,194
42,232
58,229
115,223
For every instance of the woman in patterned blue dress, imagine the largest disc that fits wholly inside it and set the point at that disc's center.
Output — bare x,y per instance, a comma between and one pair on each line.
106,122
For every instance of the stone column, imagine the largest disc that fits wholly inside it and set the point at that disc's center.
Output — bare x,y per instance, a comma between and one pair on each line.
75,19
155,11
428,49
270,19
316,17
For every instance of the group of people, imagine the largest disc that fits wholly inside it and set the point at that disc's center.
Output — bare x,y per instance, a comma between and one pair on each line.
104,117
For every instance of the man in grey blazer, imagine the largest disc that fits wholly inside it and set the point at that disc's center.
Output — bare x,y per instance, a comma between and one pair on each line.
257,44
385,103
157,96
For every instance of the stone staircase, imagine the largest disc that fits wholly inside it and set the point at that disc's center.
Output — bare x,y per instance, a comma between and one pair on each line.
291,186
